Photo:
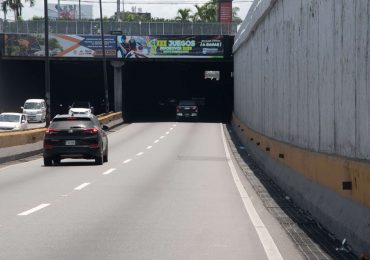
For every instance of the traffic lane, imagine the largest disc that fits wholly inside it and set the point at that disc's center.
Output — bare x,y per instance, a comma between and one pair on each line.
178,202
34,125
26,184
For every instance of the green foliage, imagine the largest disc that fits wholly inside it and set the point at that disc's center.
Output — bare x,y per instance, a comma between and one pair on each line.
16,6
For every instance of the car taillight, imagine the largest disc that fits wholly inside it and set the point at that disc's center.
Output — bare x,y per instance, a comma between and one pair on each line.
93,145
50,131
48,146
177,109
92,131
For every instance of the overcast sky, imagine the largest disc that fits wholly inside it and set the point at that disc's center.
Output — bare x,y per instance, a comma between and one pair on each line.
155,7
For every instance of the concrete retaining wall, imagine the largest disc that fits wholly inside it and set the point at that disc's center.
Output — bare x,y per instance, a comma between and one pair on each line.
302,82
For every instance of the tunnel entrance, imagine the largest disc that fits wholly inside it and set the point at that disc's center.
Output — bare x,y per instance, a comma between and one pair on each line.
152,89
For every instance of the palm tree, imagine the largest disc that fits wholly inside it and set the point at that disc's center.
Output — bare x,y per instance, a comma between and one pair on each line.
16,6
183,15
206,12
4,8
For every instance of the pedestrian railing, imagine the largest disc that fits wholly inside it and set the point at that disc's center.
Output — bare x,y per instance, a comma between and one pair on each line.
127,28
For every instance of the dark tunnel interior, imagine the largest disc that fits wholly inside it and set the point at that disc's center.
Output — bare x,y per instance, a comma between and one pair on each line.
151,89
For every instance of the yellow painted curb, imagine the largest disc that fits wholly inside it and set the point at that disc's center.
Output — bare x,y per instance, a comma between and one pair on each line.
9,139
330,171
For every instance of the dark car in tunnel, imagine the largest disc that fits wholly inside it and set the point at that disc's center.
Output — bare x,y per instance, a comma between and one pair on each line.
76,137
187,109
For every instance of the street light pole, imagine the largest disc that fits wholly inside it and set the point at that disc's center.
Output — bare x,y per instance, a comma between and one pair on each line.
106,95
47,62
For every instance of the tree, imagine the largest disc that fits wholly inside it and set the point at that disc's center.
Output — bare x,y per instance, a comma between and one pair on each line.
4,8
183,15
236,18
16,6
206,12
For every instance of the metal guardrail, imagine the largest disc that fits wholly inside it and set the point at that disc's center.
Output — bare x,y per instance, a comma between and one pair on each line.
128,28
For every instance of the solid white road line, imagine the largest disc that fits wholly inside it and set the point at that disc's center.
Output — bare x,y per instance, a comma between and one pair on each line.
139,154
149,147
39,207
83,185
127,161
156,141
268,243
109,171
161,137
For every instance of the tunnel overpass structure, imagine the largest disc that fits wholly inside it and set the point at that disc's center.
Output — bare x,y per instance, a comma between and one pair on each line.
151,66
302,106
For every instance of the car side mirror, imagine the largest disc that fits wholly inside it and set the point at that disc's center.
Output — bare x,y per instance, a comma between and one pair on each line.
69,107
105,128
22,107
24,121
92,107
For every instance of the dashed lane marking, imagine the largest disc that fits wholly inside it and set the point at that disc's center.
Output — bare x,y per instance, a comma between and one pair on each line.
149,147
127,161
82,186
139,154
109,171
156,141
33,210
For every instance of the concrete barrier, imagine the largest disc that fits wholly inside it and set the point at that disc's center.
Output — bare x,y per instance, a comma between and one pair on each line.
21,144
334,189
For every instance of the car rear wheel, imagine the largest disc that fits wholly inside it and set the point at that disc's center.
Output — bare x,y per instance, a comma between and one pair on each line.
48,161
99,160
105,157
56,161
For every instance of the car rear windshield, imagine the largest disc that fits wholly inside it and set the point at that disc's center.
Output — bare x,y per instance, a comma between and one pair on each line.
9,118
187,103
81,104
67,123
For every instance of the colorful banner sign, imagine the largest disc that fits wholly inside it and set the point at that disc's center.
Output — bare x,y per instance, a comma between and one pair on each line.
164,46
60,45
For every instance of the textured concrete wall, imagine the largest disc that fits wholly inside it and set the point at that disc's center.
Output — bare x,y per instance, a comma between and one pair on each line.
302,78
302,74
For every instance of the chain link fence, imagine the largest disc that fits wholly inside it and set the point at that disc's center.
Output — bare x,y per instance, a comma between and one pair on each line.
127,28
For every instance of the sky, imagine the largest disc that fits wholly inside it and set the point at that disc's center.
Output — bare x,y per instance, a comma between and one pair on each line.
158,8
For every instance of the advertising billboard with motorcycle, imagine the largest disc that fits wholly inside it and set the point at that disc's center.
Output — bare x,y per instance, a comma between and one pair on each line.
60,45
164,46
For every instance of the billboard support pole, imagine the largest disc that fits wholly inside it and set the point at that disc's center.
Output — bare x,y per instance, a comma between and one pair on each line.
47,63
106,94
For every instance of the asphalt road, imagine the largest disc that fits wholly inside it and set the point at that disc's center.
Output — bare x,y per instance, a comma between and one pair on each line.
169,191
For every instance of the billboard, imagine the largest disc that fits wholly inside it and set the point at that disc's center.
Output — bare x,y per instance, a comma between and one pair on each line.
70,11
164,46
60,45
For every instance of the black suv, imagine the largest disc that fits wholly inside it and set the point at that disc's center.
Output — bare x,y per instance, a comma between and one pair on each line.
187,109
79,136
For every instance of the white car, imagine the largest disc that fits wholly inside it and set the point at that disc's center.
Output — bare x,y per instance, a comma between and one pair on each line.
13,122
81,108
35,109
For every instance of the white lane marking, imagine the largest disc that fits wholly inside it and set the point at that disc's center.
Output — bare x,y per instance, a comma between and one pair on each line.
109,171
33,210
127,161
139,154
268,243
83,185
171,128
174,125
161,137
156,141
167,133
149,147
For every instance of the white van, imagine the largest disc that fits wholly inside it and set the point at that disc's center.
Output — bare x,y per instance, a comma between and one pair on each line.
35,109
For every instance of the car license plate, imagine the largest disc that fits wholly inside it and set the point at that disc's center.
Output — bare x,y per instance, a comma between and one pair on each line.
71,142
